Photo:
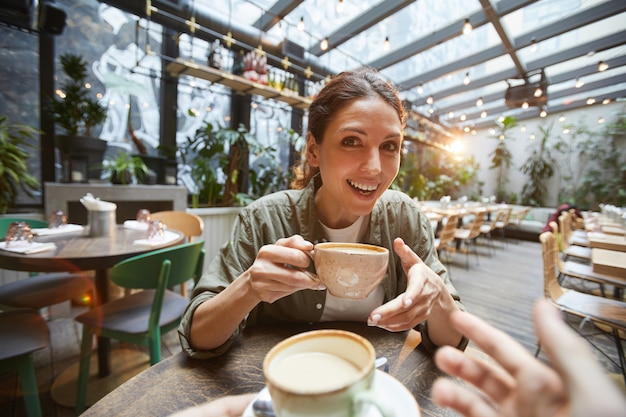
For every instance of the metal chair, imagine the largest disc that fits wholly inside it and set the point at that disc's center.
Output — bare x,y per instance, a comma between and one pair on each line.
191,225
44,290
23,332
141,317
603,312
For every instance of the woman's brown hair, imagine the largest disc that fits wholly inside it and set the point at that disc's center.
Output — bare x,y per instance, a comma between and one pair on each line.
364,82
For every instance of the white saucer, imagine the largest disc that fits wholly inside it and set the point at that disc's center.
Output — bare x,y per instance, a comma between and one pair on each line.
400,400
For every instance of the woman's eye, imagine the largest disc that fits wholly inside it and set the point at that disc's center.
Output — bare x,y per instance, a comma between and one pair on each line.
390,146
349,142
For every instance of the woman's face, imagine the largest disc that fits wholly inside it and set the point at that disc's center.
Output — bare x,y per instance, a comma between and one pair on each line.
358,159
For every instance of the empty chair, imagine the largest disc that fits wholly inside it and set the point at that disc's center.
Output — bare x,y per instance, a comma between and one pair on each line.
578,253
487,229
446,235
585,272
23,332
470,234
191,225
143,316
502,224
43,290
601,311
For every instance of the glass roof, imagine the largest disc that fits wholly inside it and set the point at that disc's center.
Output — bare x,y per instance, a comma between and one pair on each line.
420,47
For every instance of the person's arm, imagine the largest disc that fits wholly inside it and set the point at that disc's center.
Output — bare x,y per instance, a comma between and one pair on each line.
272,276
516,384
229,406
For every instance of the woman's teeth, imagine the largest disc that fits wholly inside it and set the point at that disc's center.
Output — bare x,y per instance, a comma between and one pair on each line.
364,188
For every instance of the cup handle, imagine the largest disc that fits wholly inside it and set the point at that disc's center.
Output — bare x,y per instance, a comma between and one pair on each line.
369,397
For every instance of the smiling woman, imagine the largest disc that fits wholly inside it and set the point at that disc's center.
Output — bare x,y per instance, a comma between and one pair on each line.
353,155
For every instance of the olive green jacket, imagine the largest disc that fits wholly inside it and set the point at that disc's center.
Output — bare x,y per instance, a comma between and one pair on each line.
291,212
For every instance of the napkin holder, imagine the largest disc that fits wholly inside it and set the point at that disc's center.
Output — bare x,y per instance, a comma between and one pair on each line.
101,222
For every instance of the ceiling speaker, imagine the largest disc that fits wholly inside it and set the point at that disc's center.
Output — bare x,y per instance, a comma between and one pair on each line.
517,95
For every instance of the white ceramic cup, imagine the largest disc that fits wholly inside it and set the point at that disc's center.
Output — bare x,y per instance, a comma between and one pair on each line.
322,373
350,270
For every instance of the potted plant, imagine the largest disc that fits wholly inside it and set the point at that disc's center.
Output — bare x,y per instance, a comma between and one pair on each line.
501,157
14,173
78,114
126,169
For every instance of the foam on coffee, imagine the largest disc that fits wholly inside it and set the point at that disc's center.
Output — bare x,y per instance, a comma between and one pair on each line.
314,371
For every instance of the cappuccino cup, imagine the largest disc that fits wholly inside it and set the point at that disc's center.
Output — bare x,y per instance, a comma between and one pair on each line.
322,373
350,270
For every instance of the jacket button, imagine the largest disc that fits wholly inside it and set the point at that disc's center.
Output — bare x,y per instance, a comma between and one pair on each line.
319,306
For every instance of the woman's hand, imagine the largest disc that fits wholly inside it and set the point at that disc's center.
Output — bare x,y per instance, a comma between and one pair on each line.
426,297
278,269
229,406
516,384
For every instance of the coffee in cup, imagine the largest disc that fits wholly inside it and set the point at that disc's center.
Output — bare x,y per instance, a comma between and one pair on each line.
322,373
350,270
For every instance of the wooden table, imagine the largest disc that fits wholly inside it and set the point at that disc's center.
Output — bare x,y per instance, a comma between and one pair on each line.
604,241
179,382
609,262
80,252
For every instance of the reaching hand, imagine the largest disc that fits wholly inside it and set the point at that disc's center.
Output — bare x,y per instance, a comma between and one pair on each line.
516,384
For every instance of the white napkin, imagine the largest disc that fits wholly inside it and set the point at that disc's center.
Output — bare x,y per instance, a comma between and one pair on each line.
34,247
167,237
135,225
95,204
67,228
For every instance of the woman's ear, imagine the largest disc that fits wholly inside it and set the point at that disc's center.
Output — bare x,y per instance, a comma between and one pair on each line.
311,150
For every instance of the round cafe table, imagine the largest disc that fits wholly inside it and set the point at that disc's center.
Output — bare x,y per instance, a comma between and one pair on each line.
179,382
77,251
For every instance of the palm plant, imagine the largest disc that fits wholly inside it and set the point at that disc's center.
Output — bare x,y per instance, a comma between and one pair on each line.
540,166
14,172
501,157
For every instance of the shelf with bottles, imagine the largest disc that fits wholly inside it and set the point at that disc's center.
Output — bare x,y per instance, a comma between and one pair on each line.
235,82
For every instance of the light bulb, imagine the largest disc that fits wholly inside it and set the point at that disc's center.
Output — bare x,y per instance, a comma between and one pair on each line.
463,117
483,114
340,6
538,92
479,102
387,46
467,27
301,24
466,80
430,100
590,101
602,66
579,83
543,113
525,104
324,44
420,89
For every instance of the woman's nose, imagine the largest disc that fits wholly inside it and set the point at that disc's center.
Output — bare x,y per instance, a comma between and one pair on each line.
371,163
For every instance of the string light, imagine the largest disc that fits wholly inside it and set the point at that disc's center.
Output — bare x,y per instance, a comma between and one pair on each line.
451,114
387,45
562,118
532,136
430,100
601,120
301,24
525,104
523,128
533,46
466,80
483,114
340,6
606,101
538,92
324,44
467,27
479,102
543,112
420,89
590,101
602,66
463,117
579,83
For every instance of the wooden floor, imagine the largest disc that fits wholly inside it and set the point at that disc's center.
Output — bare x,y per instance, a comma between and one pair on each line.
501,289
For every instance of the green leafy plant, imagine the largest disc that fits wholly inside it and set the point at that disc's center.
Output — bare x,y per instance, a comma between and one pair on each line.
540,167
123,168
14,172
501,157
219,160
76,112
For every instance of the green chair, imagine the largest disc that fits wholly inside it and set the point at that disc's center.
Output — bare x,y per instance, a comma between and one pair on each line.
23,331
141,317
43,289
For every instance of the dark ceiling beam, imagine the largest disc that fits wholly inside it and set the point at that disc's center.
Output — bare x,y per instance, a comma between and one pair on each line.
510,49
527,115
553,96
275,14
360,24
607,42
568,76
451,31
573,22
